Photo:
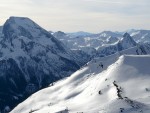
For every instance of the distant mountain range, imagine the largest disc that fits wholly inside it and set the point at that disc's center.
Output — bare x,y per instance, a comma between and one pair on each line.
106,42
79,34
87,39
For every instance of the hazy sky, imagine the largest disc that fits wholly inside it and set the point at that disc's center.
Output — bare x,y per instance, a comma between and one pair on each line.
80,15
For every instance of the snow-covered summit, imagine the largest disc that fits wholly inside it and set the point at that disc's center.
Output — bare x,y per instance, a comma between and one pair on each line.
127,41
16,27
22,26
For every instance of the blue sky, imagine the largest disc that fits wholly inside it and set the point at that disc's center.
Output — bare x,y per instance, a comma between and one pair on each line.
80,15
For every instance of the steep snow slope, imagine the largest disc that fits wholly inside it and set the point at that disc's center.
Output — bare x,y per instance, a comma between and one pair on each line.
110,84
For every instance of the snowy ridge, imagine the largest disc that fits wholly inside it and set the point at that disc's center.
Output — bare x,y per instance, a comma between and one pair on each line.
104,85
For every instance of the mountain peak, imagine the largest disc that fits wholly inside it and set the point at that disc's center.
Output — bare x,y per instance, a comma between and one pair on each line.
20,21
21,26
126,35
128,38
127,41
59,33
33,59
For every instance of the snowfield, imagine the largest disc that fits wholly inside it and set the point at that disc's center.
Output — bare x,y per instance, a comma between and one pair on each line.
112,84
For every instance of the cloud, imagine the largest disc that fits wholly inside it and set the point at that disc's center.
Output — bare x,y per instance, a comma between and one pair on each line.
74,15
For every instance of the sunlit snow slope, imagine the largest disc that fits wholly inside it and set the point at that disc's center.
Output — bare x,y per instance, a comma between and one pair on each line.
113,84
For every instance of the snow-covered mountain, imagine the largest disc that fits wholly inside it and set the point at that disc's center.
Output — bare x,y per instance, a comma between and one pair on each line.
102,44
61,35
87,42
30,59
79,34
110,33
124,43
111,84
105,37
80,56
141,36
